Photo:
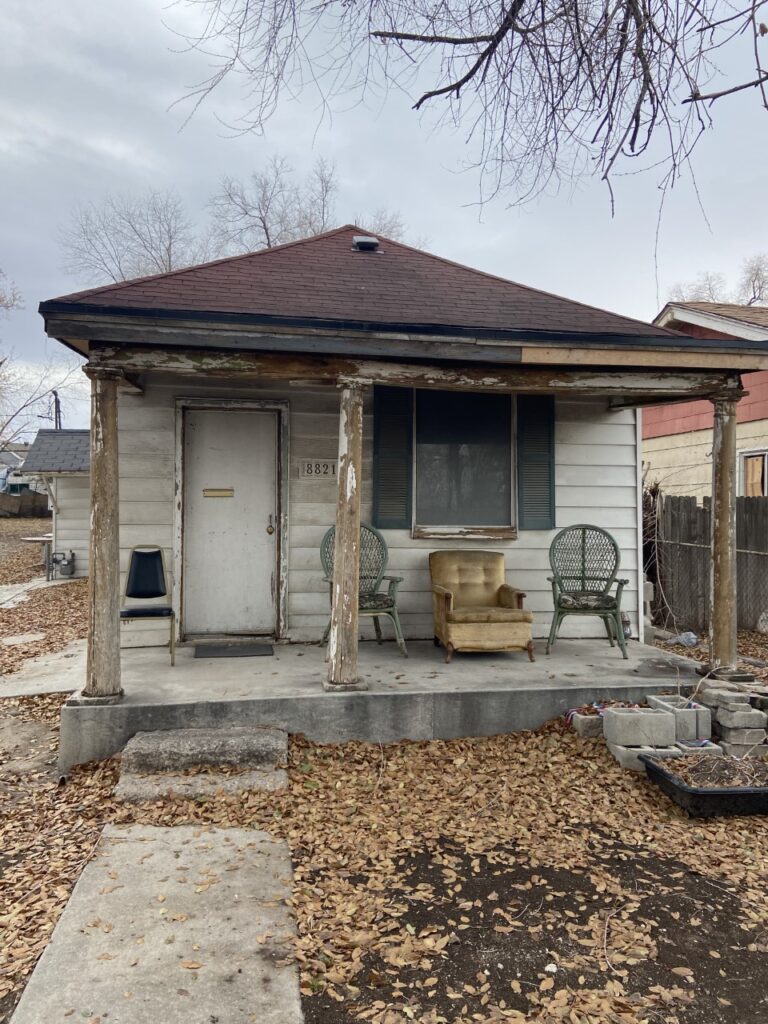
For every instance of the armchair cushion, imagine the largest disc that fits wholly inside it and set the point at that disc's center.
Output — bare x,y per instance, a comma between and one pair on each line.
368,602
490,614
577,600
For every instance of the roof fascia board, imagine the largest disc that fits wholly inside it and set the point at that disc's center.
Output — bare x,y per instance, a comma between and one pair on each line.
673,312
376,341
82,314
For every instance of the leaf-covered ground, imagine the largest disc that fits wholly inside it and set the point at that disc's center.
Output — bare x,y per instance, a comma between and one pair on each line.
20,561
54,616
57,615
750,645
517,878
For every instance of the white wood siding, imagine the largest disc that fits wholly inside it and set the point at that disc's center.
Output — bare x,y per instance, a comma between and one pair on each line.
596,482
71,524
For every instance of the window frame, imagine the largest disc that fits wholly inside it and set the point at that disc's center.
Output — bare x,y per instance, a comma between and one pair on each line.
743,455
453,532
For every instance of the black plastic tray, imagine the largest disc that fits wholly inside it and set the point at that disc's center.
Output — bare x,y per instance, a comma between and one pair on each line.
706,803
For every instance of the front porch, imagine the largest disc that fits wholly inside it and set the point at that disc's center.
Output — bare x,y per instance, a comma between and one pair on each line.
419,698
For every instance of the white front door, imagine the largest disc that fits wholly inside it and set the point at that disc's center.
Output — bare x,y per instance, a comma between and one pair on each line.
230,521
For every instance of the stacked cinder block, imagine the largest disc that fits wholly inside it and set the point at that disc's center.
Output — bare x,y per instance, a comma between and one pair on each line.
740,727
693,721
630,732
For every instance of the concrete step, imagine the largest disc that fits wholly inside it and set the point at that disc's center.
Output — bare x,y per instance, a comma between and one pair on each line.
136,787
176,749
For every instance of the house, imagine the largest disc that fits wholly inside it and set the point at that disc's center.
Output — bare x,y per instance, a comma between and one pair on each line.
241,407
61,460
677,439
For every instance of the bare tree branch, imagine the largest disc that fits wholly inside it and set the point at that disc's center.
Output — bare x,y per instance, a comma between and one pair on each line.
546,92
10,296
751,289
123,237
274,207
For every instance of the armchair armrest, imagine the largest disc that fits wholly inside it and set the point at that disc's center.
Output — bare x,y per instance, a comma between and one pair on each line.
442,603
510,597
393,583
445,594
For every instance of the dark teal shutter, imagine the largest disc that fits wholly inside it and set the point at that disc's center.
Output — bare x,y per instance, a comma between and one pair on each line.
536,462
392,457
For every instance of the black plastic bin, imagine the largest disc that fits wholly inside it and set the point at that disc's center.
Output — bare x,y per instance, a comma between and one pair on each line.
707,803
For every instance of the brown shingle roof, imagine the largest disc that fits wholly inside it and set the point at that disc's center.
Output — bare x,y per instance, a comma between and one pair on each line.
325,279
757,315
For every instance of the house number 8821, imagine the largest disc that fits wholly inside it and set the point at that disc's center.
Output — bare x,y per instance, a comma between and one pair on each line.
318,468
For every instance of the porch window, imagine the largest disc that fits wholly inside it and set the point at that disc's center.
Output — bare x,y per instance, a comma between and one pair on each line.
462,463
753,474
463,459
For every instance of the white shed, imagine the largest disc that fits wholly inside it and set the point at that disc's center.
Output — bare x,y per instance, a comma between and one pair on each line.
62,459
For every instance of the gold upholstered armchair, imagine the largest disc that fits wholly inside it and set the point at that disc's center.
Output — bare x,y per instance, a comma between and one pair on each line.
475,610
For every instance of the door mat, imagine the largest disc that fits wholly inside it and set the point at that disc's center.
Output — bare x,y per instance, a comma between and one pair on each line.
234,650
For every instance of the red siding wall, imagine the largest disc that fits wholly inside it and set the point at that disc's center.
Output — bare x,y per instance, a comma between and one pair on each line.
661,420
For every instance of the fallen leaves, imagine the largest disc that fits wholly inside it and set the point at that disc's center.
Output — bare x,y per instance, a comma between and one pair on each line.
531,843
59,612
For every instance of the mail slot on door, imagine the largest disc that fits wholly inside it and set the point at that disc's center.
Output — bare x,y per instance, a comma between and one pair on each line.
218,492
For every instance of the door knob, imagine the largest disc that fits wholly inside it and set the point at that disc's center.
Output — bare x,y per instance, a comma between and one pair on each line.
270,528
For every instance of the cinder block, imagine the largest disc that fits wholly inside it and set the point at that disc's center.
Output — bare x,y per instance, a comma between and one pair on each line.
692,721
628,757
742,749
587,726
717,696
710,748
750,736
751,718
638,727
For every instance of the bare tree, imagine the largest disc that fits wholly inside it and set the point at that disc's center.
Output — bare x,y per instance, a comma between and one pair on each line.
706,287
547,91
274,207
751,289
124,236
10,296
753,283
26,389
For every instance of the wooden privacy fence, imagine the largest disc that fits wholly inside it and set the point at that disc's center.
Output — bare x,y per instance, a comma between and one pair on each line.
683,555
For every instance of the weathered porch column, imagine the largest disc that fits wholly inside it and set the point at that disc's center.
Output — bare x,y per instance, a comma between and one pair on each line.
102,684
342,640
722,591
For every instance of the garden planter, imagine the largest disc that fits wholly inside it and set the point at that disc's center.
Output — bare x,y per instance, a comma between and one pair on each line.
703,802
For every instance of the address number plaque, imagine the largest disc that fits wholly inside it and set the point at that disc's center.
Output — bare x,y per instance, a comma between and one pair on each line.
318,469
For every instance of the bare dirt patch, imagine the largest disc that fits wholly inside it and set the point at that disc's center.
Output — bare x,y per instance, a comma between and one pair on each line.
20,561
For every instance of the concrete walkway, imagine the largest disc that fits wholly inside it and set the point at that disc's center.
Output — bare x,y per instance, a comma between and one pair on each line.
182,925
61,672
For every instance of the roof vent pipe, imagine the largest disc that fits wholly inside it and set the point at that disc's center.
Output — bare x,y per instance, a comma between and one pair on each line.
365,243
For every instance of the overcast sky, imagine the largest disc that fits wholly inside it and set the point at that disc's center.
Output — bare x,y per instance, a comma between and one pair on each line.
85,91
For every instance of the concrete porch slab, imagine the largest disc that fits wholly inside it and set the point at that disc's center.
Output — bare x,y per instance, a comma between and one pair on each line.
415,698
174,925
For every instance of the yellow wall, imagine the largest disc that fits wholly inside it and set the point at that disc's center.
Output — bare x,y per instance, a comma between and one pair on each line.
682,463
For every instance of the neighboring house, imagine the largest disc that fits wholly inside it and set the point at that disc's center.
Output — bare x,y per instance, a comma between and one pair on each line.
677,439
12,479
262,398
61,459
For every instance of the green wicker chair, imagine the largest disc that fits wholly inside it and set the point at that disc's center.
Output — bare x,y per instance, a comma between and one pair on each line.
373,564
585,560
